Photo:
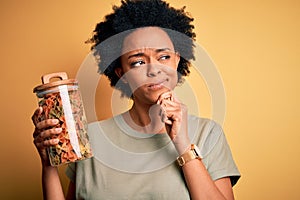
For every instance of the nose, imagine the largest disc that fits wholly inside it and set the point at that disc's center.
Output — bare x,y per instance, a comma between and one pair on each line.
153,70
153,67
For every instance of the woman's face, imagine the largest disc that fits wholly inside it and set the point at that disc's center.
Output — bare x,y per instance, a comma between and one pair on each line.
149,64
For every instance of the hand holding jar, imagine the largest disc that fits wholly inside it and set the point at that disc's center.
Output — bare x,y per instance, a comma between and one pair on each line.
60,122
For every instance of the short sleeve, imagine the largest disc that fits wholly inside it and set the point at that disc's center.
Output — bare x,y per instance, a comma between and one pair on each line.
217,157
71,171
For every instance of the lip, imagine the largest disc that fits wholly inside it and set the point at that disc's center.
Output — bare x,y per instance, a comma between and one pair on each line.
157,85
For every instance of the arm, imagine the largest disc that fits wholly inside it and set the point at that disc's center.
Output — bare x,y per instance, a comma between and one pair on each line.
71,191
198,180
196,176
52,188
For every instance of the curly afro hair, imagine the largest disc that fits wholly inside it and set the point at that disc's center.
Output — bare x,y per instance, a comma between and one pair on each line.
108,35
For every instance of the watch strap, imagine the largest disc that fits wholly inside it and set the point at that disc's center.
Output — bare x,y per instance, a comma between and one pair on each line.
188,156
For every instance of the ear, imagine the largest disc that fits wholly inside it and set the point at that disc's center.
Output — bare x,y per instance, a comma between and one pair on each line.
177,58
119,72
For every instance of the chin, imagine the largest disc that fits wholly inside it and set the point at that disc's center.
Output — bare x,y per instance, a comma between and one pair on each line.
151,96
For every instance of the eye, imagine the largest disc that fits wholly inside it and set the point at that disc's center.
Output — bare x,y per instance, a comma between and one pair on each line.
137,63
164,57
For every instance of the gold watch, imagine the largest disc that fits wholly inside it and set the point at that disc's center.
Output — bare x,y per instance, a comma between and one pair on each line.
193,153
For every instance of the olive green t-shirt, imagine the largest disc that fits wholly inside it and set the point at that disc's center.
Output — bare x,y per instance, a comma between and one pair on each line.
132,165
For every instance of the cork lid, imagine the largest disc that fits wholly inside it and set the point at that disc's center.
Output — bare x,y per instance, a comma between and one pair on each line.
47,84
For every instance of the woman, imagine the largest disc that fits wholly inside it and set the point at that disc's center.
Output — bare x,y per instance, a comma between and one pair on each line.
145,63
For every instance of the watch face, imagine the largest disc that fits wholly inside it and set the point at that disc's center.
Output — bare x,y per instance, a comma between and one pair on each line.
197,150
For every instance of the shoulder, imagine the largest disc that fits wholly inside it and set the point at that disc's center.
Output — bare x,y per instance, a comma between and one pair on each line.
203,122
202,127
105,123
102,122
205,133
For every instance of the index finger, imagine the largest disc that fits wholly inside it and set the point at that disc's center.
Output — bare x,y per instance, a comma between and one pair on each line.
47,123
36,114
166,95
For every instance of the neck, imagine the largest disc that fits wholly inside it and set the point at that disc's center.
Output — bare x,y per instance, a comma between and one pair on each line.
140,114
145,118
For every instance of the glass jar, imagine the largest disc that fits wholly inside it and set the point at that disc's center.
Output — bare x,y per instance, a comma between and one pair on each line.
61,100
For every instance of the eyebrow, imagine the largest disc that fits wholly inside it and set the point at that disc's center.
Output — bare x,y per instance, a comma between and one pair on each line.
141,53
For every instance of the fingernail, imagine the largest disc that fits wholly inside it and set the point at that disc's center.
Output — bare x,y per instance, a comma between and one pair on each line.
58,130
54,121
56,140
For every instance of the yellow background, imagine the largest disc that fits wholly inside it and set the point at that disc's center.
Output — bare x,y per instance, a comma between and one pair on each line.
255,45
